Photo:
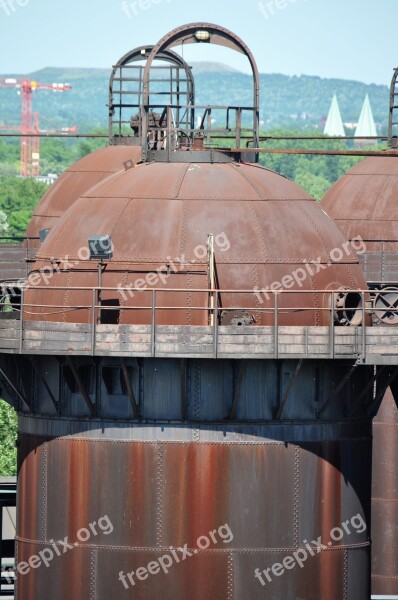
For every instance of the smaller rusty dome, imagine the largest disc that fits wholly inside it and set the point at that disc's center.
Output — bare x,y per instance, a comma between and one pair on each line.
363,202
75,181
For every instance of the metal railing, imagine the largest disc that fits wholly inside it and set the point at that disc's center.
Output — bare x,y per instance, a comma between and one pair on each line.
18,244
218,311
237,122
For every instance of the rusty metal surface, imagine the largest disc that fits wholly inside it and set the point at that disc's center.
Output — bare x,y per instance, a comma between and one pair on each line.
156,213
77,180
363,202
385,499
272,494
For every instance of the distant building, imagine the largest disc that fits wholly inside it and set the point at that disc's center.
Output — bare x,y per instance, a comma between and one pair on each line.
334,124
48,179
366,125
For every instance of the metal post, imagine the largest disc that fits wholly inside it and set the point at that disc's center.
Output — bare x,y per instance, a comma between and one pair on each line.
21,323
169,132
238,127
153,337
215,327
383,263
276,333
27,255
208,133
93,322
331,335
363,327
212,278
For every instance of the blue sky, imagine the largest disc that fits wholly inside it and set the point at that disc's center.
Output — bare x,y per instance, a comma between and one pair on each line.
349,39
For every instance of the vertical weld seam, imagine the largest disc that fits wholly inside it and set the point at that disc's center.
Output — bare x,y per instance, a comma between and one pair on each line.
179,181
159,510
345,581
123,302
16,572
256,280
44,492
296,510
66,295
230,575
256,224
188,319
348,269
183,227
93,574
316,302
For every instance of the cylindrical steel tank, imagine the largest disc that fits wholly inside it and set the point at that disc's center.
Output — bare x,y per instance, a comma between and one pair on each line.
364,204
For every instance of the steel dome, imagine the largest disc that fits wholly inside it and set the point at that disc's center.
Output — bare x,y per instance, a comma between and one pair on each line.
363,201
157,213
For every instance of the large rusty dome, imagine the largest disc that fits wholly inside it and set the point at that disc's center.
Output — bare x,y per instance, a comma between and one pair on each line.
75,181
160,215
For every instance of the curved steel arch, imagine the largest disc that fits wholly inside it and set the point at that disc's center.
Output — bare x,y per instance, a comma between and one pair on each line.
392,139
136,55
217,35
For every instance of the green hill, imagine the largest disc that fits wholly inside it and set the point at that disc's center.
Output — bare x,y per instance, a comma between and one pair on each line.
299,101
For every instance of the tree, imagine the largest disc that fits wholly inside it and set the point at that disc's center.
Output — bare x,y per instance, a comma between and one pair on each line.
315,185
3,222
8,436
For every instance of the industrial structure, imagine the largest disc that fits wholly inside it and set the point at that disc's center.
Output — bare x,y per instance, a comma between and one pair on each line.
195,364
30,146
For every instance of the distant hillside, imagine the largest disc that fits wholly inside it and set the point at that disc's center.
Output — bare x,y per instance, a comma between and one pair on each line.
299,102
211,67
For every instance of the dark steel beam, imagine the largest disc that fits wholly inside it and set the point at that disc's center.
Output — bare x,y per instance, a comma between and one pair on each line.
285,399
184,398
42,378
130,391
80,385
237,388
335,392
15,389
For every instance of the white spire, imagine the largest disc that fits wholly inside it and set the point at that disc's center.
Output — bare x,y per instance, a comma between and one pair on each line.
366,125
334,124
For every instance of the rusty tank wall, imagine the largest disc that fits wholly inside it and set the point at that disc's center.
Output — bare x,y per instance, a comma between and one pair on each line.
269,490
385,499
363,203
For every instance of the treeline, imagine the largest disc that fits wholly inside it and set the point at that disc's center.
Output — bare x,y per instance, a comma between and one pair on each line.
56,154
314,173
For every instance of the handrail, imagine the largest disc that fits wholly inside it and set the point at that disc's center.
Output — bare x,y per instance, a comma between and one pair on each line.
157,301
